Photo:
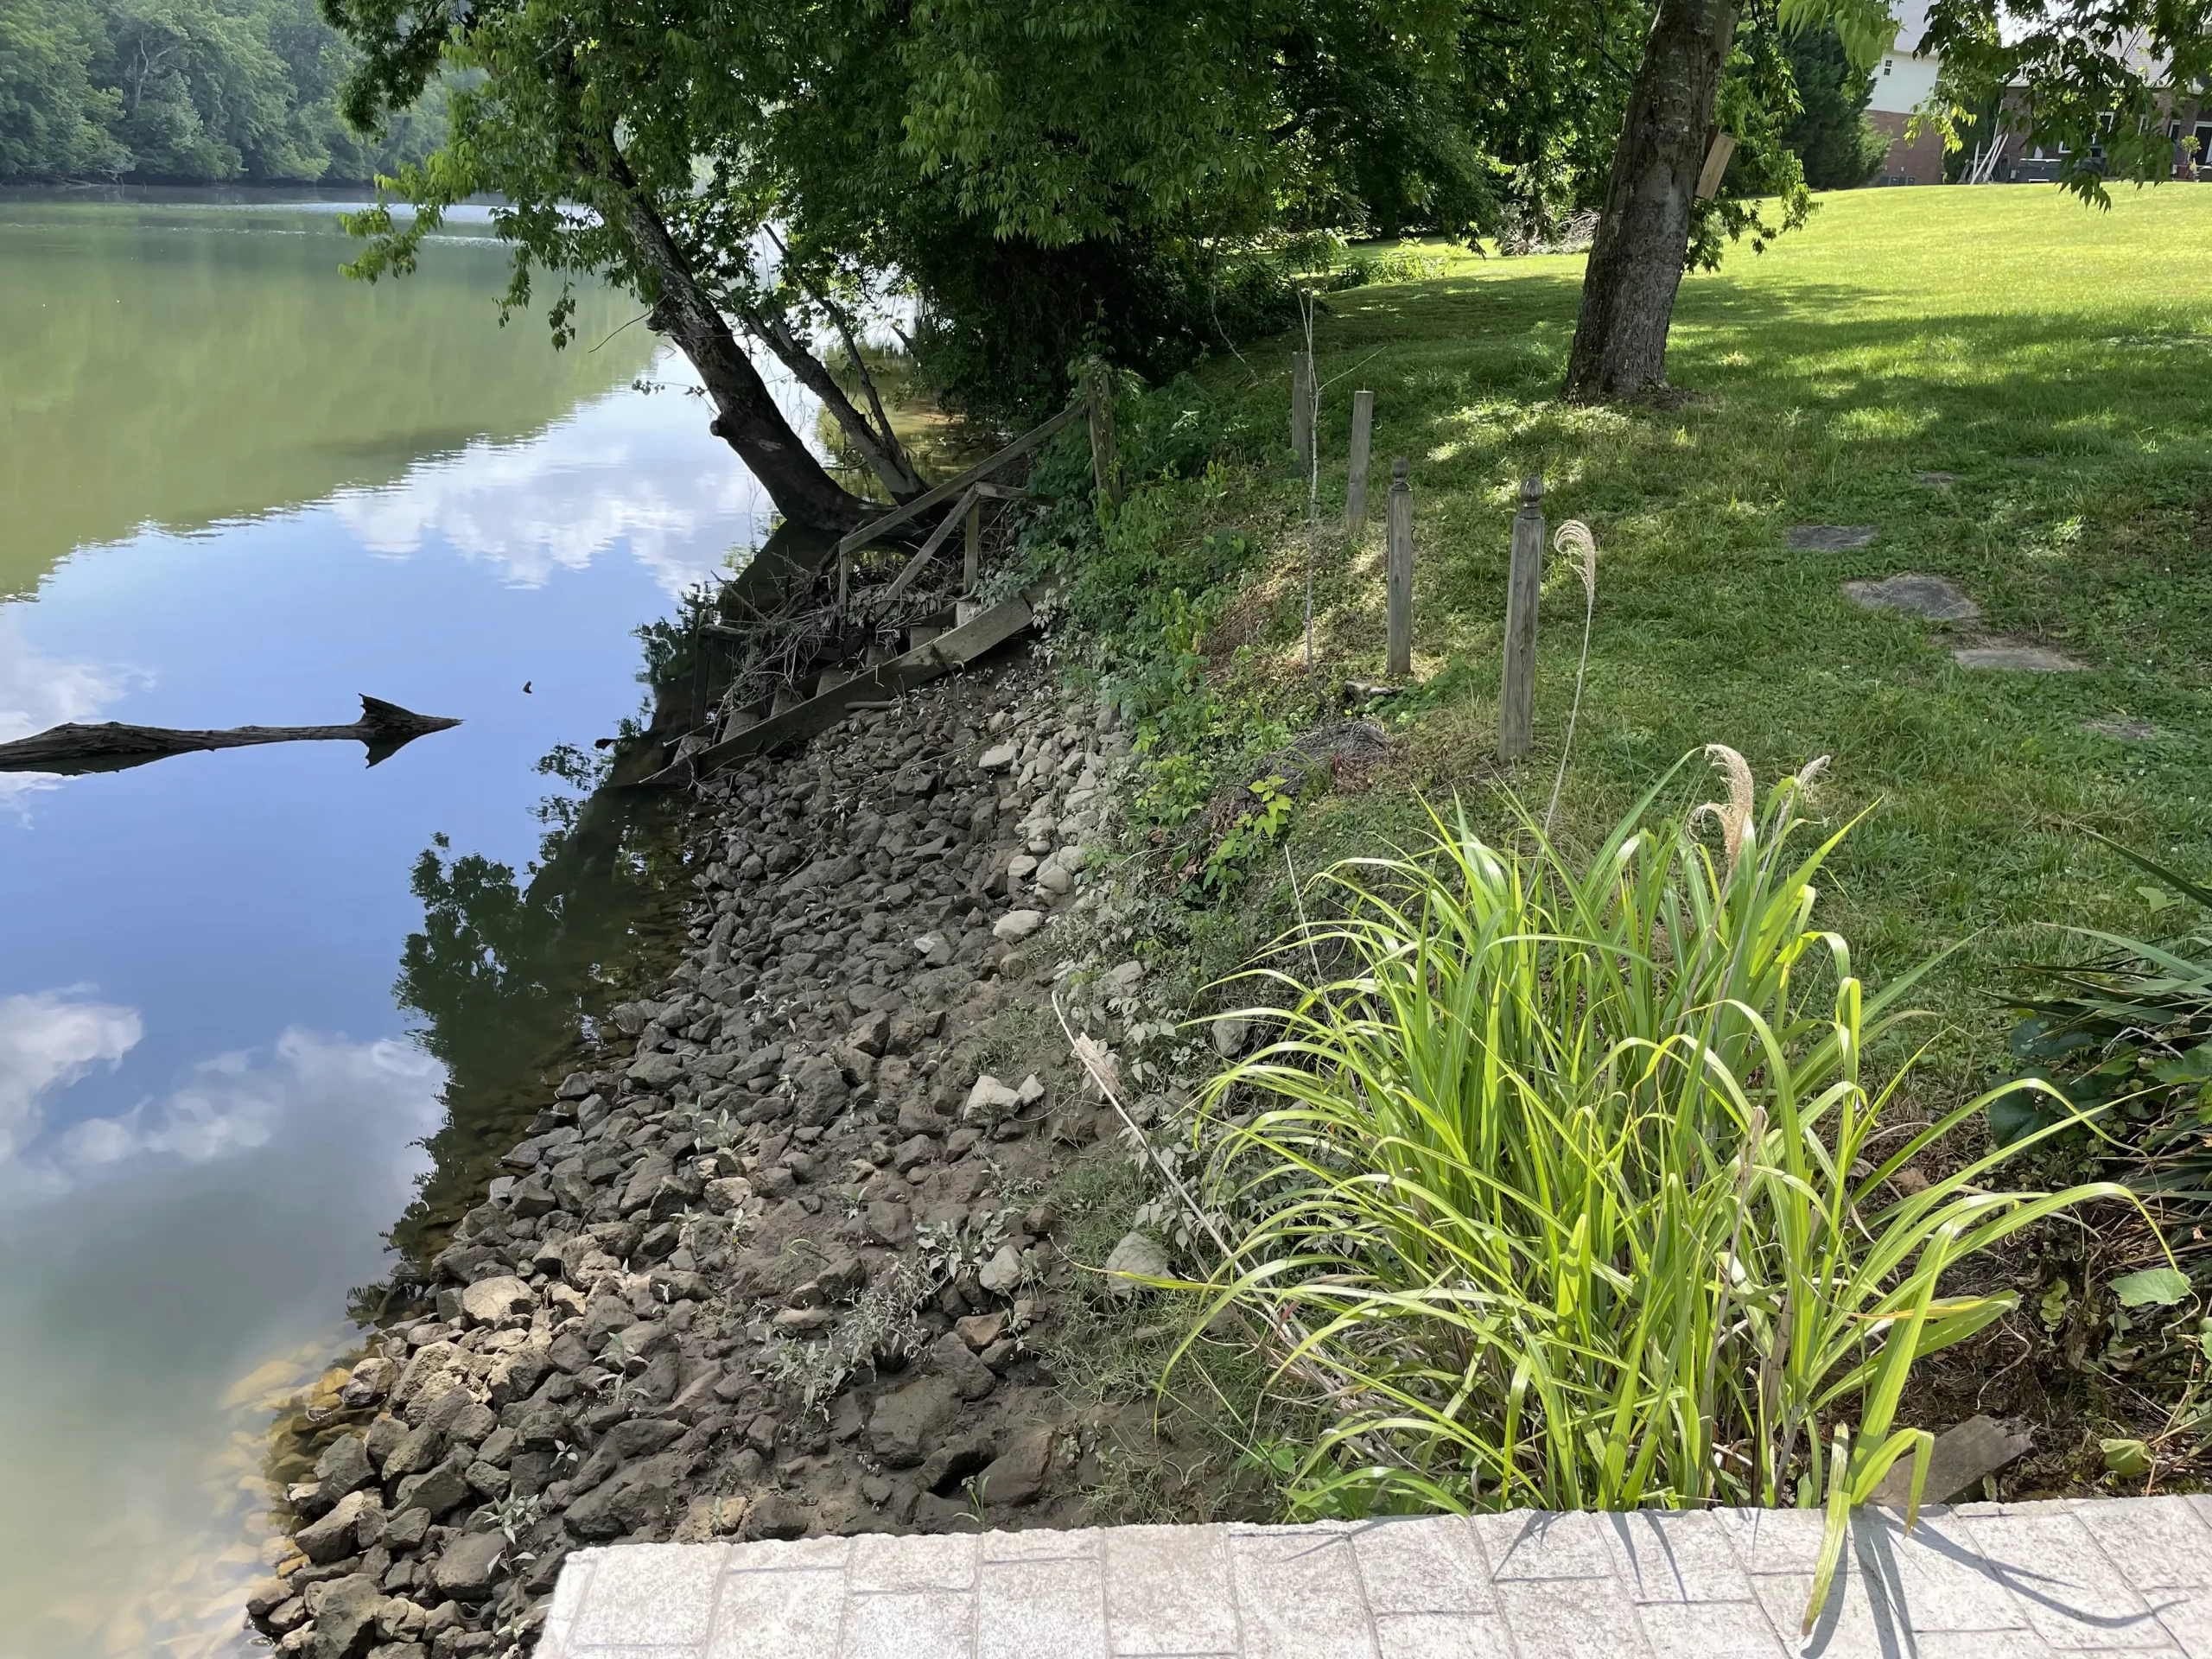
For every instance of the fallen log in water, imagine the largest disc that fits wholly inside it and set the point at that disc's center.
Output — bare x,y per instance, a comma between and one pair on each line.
383,728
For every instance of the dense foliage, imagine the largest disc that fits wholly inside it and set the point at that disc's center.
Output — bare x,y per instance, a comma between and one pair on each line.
1574,1187
1830,134
187,91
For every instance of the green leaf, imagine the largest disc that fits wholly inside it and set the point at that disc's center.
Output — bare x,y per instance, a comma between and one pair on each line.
2017,1115
2195,1066
2152,1287
2126,1459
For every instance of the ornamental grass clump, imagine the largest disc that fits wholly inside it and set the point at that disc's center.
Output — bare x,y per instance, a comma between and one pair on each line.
1570,1189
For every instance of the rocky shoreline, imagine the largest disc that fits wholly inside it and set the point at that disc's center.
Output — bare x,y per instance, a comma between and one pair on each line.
779,1263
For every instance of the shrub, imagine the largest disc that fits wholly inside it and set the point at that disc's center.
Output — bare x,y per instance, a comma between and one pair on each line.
2126,1033
1567,1188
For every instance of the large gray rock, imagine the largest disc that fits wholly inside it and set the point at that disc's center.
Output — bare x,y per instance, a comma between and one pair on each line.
956,1363
494,1301
345,1618
444,1487
654,1070
819,1089
639,1495
417,1453
342,1468
639,1438
1001,1274
644,1181
470,1566
904,1422
1138,1257
336,1535
1017,1475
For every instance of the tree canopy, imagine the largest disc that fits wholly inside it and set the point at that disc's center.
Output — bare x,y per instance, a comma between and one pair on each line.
189,91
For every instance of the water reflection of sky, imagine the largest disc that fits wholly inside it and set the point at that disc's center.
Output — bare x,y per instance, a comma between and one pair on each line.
627,471
209,1106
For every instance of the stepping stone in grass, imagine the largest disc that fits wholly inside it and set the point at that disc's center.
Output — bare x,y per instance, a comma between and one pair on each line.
2125,729
2021,655
1830,538
1915,595
1935,480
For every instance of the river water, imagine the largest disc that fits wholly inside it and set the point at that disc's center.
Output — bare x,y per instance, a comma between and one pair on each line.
236,488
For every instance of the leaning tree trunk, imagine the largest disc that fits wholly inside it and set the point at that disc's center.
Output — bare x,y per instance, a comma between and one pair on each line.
745,416
1644,235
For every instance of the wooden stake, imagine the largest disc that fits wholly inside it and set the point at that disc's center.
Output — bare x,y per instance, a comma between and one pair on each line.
1301,409
1516,717
971,572
1105,458
1362,439
1398,578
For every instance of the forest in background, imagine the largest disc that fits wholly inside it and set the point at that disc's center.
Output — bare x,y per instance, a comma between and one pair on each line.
189,91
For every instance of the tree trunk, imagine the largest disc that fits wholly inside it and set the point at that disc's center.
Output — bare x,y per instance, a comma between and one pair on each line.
880,449
1644,235
746,416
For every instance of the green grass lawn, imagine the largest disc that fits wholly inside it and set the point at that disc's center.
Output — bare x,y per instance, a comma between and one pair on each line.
2056,358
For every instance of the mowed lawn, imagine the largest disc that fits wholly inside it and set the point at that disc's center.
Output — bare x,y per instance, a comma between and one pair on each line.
2056,358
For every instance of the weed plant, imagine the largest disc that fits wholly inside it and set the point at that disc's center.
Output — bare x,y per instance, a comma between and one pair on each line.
1565,1185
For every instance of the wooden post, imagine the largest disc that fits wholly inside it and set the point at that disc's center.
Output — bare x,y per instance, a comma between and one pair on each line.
1517,716
1301,409
971,570
1105,458
1398,578
1363,440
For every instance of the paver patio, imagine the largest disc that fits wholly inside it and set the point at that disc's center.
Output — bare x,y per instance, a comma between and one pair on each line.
1976,1581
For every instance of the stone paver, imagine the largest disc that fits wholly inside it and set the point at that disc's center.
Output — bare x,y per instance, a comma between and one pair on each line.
2114,1576
1831,538
1915,595
2021,656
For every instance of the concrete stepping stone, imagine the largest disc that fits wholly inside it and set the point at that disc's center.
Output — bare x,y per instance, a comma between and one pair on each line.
2023,656
1917,595
2125,728
1831,538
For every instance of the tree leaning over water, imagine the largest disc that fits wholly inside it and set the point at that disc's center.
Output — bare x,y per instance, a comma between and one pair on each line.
1041,178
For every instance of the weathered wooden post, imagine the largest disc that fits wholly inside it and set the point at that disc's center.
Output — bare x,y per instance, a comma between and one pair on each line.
971,570
1398,578
1363,440
1105,461
1517,716
1301,409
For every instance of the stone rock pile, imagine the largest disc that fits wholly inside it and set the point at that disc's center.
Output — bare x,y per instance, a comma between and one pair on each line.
772,1269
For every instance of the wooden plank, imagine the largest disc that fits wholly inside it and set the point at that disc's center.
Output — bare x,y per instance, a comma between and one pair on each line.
971,566
953,487
1716,164
904,579
1517,716
1362,443
926,663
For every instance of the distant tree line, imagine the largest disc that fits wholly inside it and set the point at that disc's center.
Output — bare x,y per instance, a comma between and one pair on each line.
189,92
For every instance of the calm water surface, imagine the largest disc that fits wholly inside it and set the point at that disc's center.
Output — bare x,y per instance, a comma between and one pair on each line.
235,488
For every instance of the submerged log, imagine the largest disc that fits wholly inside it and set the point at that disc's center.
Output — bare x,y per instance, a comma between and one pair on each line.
385,727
